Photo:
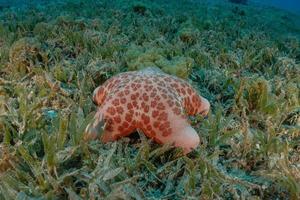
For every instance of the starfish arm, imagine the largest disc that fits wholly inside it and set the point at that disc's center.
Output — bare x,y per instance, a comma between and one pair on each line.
204,107
101,92
193,103
181,134
196,104
99,95
186,138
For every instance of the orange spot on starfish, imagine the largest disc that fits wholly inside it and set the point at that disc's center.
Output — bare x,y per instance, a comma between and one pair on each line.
129,106
128,117
120,109
126,92
167,132
160,106
145,118
155,113
153,104
125,124
156,124
176,111
123,100
163,116
116,102
111,110
117,119
145,97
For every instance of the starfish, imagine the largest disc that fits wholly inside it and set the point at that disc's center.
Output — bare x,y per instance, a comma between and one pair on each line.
151,101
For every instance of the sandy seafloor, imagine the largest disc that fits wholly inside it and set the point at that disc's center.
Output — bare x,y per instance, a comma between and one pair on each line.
243,58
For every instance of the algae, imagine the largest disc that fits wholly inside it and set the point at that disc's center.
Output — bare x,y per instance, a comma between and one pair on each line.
243,59
25,54
138,57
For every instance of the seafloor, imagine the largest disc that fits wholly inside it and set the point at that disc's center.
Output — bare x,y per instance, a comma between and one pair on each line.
243,59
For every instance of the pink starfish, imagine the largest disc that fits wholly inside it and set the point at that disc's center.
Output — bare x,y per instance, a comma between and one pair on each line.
149,100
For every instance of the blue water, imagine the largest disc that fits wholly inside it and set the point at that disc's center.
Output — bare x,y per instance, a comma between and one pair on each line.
288,5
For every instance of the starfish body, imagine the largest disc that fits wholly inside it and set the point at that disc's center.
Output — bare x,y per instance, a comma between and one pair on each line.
149,100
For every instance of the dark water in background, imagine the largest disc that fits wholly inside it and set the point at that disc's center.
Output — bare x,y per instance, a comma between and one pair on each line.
289,5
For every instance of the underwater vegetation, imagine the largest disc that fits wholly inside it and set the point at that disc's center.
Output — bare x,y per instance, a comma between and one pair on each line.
244,60
138,58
